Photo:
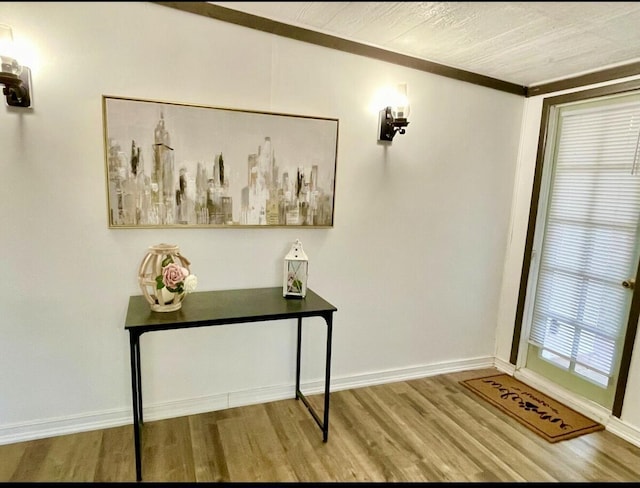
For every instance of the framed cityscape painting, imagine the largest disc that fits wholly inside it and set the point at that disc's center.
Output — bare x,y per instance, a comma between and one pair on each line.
178,165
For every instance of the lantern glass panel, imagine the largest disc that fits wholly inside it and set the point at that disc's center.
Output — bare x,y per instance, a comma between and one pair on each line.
296,273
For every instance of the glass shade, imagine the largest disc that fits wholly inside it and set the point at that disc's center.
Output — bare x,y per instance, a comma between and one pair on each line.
9,66
8,63
400,105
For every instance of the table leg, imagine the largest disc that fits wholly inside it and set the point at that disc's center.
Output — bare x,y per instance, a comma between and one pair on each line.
298,357
325,426
134,346
139,380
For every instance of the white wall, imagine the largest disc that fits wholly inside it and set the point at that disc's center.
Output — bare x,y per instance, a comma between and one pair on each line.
630,418
413,263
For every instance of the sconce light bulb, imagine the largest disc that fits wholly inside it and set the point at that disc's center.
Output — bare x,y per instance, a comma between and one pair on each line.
400,105
10,66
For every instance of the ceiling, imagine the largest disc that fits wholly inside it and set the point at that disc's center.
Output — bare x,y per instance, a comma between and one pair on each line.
526,43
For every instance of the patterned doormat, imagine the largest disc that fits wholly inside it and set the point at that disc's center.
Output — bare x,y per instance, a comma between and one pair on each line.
532,408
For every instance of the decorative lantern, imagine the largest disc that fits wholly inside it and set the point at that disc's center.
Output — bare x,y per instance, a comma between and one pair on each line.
164,264
296,270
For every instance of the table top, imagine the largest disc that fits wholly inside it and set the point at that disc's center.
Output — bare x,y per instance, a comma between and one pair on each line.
226,307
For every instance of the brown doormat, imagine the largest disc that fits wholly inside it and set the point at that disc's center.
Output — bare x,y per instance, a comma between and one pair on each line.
540,413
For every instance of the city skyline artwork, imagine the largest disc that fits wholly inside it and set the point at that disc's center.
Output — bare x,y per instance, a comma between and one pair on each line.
176,165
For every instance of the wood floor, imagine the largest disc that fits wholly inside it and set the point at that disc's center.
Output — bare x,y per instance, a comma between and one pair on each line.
430,429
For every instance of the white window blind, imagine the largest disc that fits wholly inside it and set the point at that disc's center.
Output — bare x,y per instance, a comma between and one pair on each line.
590,240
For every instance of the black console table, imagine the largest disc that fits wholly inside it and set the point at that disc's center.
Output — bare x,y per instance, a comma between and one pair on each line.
206,308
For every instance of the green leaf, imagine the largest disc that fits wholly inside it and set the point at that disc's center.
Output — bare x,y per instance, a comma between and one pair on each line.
167,260
177,289
159,283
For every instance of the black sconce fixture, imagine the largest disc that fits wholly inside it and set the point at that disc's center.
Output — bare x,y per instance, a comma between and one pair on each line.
15,78
393,119
390,125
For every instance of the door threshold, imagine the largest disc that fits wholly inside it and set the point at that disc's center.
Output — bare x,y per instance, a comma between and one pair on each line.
578,403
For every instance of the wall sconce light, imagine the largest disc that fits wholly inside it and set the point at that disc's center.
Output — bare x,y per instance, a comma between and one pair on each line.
393,118
15,78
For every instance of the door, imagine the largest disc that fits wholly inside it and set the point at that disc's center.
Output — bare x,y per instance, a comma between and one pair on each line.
586,246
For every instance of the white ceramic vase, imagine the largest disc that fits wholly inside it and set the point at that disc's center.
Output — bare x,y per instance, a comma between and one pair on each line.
161,300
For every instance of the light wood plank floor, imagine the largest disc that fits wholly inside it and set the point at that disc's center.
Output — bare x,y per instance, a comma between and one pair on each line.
430,429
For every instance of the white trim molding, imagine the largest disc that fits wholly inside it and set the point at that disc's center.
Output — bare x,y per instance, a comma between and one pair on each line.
43,428
39,429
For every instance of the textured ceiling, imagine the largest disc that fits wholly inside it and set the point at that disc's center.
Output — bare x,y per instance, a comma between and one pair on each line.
527,43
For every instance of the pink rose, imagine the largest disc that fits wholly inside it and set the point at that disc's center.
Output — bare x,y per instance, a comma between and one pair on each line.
172,274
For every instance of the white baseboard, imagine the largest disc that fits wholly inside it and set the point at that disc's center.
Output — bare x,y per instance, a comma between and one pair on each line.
51,427
39,429
504,366
624,431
